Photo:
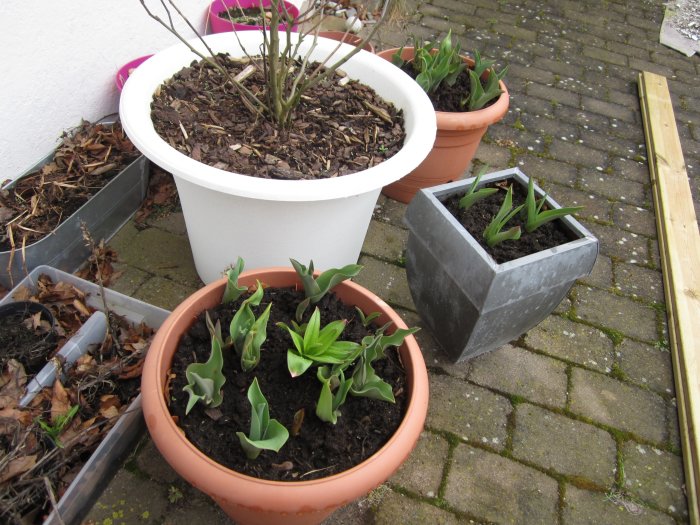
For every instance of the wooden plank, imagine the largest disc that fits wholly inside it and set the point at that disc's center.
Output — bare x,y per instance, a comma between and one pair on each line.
679,243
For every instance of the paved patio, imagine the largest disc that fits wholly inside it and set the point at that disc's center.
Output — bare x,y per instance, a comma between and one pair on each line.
575,422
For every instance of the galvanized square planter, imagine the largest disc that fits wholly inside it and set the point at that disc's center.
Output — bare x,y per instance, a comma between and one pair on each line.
470,303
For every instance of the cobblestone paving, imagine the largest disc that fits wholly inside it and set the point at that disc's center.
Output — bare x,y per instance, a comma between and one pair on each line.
575,422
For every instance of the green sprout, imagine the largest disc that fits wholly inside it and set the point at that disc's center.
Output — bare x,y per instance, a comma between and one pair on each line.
366,320
265,433
493,232
316,288
313,344
472,196
62,421
233,291
366,382
434,67
480,95
535,216
327,408
248,333
206,379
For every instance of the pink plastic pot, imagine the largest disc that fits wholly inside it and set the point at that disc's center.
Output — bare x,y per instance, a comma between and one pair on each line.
223,25
126,69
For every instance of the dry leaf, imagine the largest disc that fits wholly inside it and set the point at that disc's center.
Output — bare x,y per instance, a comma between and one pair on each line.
60,404
17,466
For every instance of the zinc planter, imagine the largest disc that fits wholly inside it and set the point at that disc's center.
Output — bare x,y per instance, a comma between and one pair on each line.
103,214
458,137
324,220
249,500
470,303
99,468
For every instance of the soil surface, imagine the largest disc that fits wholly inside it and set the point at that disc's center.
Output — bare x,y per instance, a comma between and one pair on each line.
336,129
27,337
478,217
249,16
319,449
449,98
88,158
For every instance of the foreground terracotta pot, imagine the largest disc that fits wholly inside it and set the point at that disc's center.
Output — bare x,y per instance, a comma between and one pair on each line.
249,500
458,137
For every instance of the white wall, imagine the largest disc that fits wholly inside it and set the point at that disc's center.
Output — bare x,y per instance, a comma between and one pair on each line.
59,63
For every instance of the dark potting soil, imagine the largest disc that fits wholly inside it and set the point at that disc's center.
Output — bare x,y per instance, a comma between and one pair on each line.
449,98
27,339
479,215
335,130
319,449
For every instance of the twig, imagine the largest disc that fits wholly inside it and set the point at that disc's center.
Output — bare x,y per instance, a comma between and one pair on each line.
52,498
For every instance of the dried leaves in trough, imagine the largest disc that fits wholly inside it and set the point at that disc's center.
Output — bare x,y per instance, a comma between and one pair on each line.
44,445
87,158
339,127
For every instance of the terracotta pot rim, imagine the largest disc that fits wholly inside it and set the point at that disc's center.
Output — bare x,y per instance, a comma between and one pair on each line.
417,402
463,120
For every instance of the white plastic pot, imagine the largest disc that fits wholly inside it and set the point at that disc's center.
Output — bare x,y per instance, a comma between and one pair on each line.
268,221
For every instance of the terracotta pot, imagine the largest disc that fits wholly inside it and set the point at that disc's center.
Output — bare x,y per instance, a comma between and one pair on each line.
458,136
249,500
348,38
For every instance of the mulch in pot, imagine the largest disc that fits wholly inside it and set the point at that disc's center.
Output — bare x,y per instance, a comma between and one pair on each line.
478,216
88,157
26,334
319,449
336,129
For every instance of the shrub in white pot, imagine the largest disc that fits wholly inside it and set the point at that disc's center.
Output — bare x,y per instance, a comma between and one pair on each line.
264,220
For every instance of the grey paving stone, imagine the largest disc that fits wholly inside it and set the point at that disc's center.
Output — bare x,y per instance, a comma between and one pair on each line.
150,462
560,67
622,245
435,358
619,405
602,274
593,207
422,471
580,154
584,507
635,219
531,73
193,508
172,259
647,65
163,292
548,126
655,476
604,55
627,192
494,156
574,342
619,313
631,170
517,371
674,432
396,508
172,222
128,280
389,210
468,411
564,445
638,281
386,280
646,365
130,499
385,241
608,109
554,94
548,170
482,484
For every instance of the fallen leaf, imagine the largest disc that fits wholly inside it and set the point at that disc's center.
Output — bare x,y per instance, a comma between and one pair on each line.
17,466
60,404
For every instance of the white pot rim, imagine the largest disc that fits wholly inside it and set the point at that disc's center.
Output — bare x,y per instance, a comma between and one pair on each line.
389,81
